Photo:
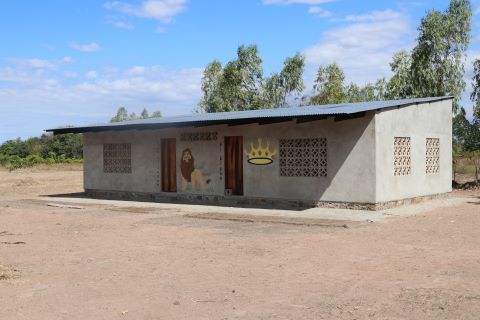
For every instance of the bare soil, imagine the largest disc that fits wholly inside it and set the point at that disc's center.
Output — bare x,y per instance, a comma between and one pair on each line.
100,262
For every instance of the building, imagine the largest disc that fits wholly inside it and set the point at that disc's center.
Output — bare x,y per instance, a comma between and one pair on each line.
361,155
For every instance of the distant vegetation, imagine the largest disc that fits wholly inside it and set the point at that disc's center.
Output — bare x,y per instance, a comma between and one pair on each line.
49,149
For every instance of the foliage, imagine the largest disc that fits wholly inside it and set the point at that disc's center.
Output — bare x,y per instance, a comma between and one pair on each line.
329,85
475,96
240,84
400,85
437,61
330,88
122,115
66,148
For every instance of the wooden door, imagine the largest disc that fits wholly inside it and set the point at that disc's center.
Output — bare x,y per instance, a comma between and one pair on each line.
169,165
234,164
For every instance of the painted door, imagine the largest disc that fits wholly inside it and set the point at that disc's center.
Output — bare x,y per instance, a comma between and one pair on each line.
169,165
234,164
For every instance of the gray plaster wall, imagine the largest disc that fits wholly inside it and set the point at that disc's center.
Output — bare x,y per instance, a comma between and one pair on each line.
350,147
419,122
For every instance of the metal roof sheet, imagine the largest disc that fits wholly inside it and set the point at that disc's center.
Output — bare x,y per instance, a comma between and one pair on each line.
227,117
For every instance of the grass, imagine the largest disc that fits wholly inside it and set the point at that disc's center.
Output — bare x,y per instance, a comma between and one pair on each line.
7,273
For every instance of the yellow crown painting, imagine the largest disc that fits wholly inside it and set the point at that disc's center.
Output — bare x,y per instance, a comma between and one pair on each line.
260,155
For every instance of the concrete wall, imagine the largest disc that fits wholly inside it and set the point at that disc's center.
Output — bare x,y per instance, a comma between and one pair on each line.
351,161
429,120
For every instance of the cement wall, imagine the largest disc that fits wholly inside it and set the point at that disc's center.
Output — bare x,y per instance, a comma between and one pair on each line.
350,155
419,122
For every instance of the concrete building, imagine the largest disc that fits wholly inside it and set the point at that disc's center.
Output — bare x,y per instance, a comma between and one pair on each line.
361,155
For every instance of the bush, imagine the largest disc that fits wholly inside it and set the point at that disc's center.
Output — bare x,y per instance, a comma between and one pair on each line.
47,149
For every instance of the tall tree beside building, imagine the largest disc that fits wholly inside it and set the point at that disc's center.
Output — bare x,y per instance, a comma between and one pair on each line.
438,59
400,86
240,84
330,88
475,96
329,85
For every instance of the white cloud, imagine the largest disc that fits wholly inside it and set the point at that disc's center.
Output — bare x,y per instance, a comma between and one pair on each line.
163,10
319,12
288,2
92,74
67,60
88,47
363,49
375,16
70,74
35,63
123,25
46,98
160,30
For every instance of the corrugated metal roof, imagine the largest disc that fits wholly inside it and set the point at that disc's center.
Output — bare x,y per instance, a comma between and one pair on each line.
251,115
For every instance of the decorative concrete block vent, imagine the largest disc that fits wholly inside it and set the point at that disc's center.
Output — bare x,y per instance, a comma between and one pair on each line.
117,158
303,157
432,155
402,156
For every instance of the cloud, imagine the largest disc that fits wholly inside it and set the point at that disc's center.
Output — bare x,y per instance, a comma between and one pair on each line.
160,30
375,16
89,47
319,12
70,74
288,2
53,97
119,22
363,48
123,25
163,10
92,74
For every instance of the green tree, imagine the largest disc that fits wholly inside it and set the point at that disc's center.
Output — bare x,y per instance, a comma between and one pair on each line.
156,114
240,85
475,96
437,66
212,96
279,86
144,114
400,84
122,115
329,85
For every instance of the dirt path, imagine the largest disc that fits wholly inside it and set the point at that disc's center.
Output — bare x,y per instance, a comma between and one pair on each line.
99,263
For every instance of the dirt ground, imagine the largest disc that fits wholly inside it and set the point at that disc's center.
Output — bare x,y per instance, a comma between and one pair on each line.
104,262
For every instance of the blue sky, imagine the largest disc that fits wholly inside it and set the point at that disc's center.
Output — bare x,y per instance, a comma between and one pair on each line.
67,62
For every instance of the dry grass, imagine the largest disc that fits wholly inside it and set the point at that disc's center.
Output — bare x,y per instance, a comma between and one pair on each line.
7,272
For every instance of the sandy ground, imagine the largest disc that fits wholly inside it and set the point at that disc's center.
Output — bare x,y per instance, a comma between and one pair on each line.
102,261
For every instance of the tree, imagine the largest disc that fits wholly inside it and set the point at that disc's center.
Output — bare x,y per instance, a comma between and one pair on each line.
475,96
400,84
330,89
329,85
437,65
122,115
279,86
212,98
144,114
156,114
240,85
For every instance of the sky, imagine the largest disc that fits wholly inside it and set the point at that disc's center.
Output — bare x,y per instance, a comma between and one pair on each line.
70,62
